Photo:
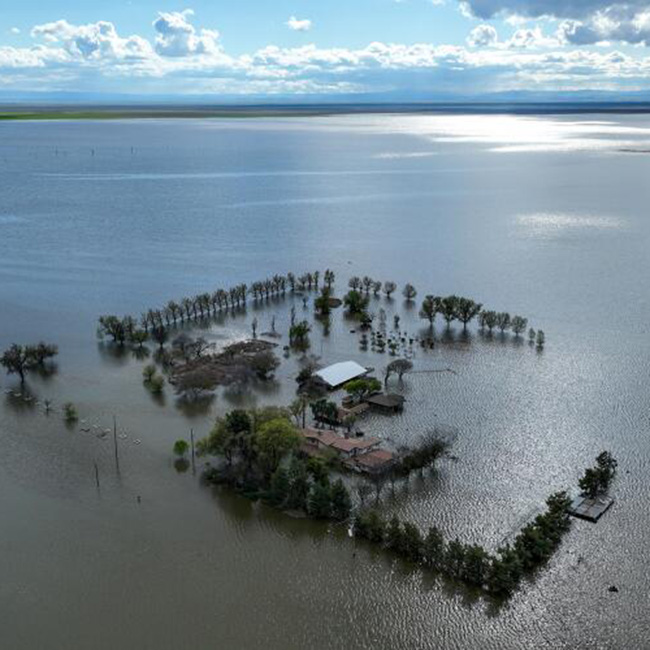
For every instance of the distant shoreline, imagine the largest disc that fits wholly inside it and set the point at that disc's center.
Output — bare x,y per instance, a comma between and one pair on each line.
9,112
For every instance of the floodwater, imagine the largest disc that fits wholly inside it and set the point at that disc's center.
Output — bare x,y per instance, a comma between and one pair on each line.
541,216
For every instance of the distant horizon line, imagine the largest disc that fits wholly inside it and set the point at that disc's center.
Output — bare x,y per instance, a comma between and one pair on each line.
196,109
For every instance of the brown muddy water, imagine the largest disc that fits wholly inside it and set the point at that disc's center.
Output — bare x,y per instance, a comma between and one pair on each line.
546,217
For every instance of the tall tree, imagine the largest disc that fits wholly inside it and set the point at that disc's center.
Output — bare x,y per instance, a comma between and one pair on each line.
409,292
430,308
467,310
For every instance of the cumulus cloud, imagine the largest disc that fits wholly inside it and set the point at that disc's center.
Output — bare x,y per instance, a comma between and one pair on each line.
578,9
299,24
584,22
483,36
98,40
176,36
615,24
185,59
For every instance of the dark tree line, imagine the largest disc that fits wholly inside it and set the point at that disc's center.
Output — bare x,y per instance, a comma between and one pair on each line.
154,324
499,574
465,310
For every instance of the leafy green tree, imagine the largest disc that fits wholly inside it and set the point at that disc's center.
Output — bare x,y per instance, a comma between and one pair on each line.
489,319
322,303
19,359
409,292
160,334
279,487
319,502
505,572
299,332
590,482
324,410
222,441
359,389
369,525
298,485
430,308
541,339
503,321
317,469
139,337
156,384
477,565
455,559
558,503
329,278
389,288
355,302
181,448
434,549
70,414
519,325
41,352
298,409
275,439
16,360
413,545
597,479
467,310
449,309
341,502
395,535
148,372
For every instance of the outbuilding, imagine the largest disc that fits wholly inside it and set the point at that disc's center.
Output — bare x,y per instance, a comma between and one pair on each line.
391,402
341,373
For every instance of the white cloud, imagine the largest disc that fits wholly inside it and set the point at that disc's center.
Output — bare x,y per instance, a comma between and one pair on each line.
299,24
585,22
14,30
94,41
578,9
176,36
184,59
483,36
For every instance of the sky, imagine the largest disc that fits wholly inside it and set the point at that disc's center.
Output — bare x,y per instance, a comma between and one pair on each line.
397,49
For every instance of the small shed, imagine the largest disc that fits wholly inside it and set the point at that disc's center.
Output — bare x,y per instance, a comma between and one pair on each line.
341,373
376,461
590,509
392,403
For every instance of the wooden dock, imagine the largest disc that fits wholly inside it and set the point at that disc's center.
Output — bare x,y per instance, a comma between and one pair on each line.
590,509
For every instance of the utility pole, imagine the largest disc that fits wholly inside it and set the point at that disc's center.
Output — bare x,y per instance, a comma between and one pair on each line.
192,442
96,474
117,457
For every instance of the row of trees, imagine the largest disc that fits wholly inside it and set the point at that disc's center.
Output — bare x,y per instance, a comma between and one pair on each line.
367,285
21,359
154,323
499,574
465,310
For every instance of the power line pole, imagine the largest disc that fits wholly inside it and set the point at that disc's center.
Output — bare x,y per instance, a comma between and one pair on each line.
117,456
192,442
